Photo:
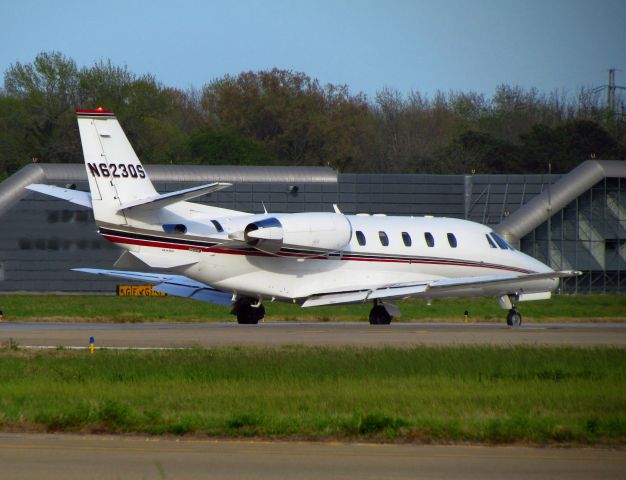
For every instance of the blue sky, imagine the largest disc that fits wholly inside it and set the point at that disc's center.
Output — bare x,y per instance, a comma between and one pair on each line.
408,45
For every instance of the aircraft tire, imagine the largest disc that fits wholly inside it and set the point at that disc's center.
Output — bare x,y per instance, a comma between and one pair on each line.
379,316
514,318
249,315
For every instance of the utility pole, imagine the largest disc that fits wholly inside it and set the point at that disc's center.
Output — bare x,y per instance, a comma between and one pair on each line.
610,92
611,95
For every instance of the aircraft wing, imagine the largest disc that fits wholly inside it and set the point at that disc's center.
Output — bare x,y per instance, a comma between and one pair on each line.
432,287
175,285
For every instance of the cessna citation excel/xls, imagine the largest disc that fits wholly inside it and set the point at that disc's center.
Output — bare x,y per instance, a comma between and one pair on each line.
241,259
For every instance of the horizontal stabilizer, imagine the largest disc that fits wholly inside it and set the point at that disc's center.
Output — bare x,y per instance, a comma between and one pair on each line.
159,201
175,285
73,196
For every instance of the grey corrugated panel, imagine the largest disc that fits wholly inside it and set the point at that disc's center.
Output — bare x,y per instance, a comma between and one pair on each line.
364,188
243,197
329,199
564,191
452,189
443,180
296,207
345,178
407,188
431,200
13,188
278,197
311,188
279,188
277,207
245,206
515,179
393,178
40,275
347,208
242,188
347,197
240,174
347,187
260,187
59,265
260,196
226,197
364,177
312,197
55,286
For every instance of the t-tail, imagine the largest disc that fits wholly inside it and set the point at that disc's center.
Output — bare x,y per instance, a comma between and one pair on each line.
116,176
120,191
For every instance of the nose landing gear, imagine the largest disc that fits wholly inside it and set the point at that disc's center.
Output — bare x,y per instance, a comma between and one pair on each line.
514,318
509,302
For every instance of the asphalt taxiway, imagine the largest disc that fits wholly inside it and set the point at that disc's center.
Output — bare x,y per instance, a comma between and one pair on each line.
53,456
207,335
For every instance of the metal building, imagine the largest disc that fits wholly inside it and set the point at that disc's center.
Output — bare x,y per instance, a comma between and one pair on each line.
575,221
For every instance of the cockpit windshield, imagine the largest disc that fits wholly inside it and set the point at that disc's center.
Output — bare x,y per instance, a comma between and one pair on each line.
502,243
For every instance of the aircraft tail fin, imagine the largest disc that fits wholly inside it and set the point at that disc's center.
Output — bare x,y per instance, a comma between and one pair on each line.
116,176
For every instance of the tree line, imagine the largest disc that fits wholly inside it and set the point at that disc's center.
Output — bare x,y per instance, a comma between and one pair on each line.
281,117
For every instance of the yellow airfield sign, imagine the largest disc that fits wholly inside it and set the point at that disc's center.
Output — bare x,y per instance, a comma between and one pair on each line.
138,291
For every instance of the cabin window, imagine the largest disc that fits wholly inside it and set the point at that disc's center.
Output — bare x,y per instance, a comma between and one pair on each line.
217,225
491,242
406,238
384,240
360,238
452,240
500,241
430,240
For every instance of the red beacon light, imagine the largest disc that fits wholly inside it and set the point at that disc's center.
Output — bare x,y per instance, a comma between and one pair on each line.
99,111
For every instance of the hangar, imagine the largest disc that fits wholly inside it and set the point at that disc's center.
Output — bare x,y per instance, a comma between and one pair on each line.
572,221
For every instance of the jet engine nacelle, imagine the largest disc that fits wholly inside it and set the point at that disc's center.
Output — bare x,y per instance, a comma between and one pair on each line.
317,232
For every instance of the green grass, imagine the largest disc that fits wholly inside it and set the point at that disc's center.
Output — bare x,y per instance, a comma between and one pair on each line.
141,309
475,394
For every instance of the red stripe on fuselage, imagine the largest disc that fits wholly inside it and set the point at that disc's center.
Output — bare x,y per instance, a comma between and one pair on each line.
228,251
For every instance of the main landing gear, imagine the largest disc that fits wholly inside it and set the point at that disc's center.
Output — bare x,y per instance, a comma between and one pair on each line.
514,318
248,311
379,314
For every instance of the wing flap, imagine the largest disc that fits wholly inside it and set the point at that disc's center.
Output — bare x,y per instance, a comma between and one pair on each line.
439,286
454,284
335,298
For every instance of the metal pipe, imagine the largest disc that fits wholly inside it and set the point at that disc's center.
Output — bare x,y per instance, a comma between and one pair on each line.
528,217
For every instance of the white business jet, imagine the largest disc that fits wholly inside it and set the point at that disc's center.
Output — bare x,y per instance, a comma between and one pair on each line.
310,259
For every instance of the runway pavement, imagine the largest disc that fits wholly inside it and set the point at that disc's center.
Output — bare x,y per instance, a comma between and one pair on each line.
169,335
36,456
